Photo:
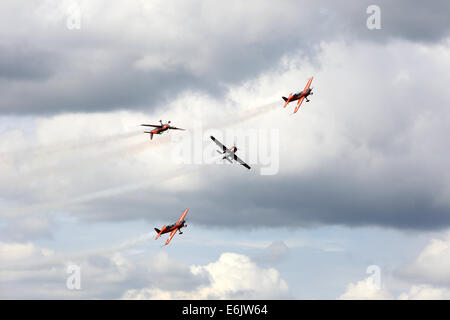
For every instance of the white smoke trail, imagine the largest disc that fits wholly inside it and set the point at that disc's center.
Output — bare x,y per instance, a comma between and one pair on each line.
127,150
68,145
103,193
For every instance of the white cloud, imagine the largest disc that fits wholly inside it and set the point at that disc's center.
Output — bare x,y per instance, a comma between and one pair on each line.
425,292
362,290
28,271
233,276
432,265
365,290
15,251
426,277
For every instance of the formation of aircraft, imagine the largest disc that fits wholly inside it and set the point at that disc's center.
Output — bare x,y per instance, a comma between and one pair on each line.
173,228
300,96
159,128
229,153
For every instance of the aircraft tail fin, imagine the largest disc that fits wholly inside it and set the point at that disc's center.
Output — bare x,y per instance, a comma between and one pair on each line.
287,100
151,134
159,231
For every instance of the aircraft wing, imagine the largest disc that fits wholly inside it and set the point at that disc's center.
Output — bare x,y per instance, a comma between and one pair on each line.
287,100
183,215
299,103
170,237
240,161
175,128
151,125
308,84
219,144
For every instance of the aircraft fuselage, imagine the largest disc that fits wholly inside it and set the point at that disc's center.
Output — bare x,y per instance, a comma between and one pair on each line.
229,153
170,228
161,129
300,94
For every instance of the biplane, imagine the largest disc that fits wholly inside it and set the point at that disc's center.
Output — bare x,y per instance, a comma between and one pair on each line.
173,228
229,153
159,128
300,96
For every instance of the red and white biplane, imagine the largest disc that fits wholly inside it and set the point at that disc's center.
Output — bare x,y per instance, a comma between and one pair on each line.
173,228
300,96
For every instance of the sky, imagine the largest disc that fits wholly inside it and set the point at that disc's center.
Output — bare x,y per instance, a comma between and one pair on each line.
349,198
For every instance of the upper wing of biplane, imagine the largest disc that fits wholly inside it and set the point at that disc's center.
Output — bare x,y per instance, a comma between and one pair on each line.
308,84
151,125
170,236
219,144
241,162
175,128
183,215
287,100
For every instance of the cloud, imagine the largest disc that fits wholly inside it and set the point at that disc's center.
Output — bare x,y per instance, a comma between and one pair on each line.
432,265
387,150
272,254
15,251
233,276
30,272
426,277
114,273
425,292
365,290
26,229
133,56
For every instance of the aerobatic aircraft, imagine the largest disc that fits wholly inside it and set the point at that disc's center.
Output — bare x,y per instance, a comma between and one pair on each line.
173,228
229,154
300,96
159,128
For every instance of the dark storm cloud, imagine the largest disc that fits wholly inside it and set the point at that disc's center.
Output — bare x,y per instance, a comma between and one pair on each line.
93,69
392,129
416,20
333,196
118,88
20,62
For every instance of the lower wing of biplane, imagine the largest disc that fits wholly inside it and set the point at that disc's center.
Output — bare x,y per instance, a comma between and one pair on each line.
299,103
287,100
